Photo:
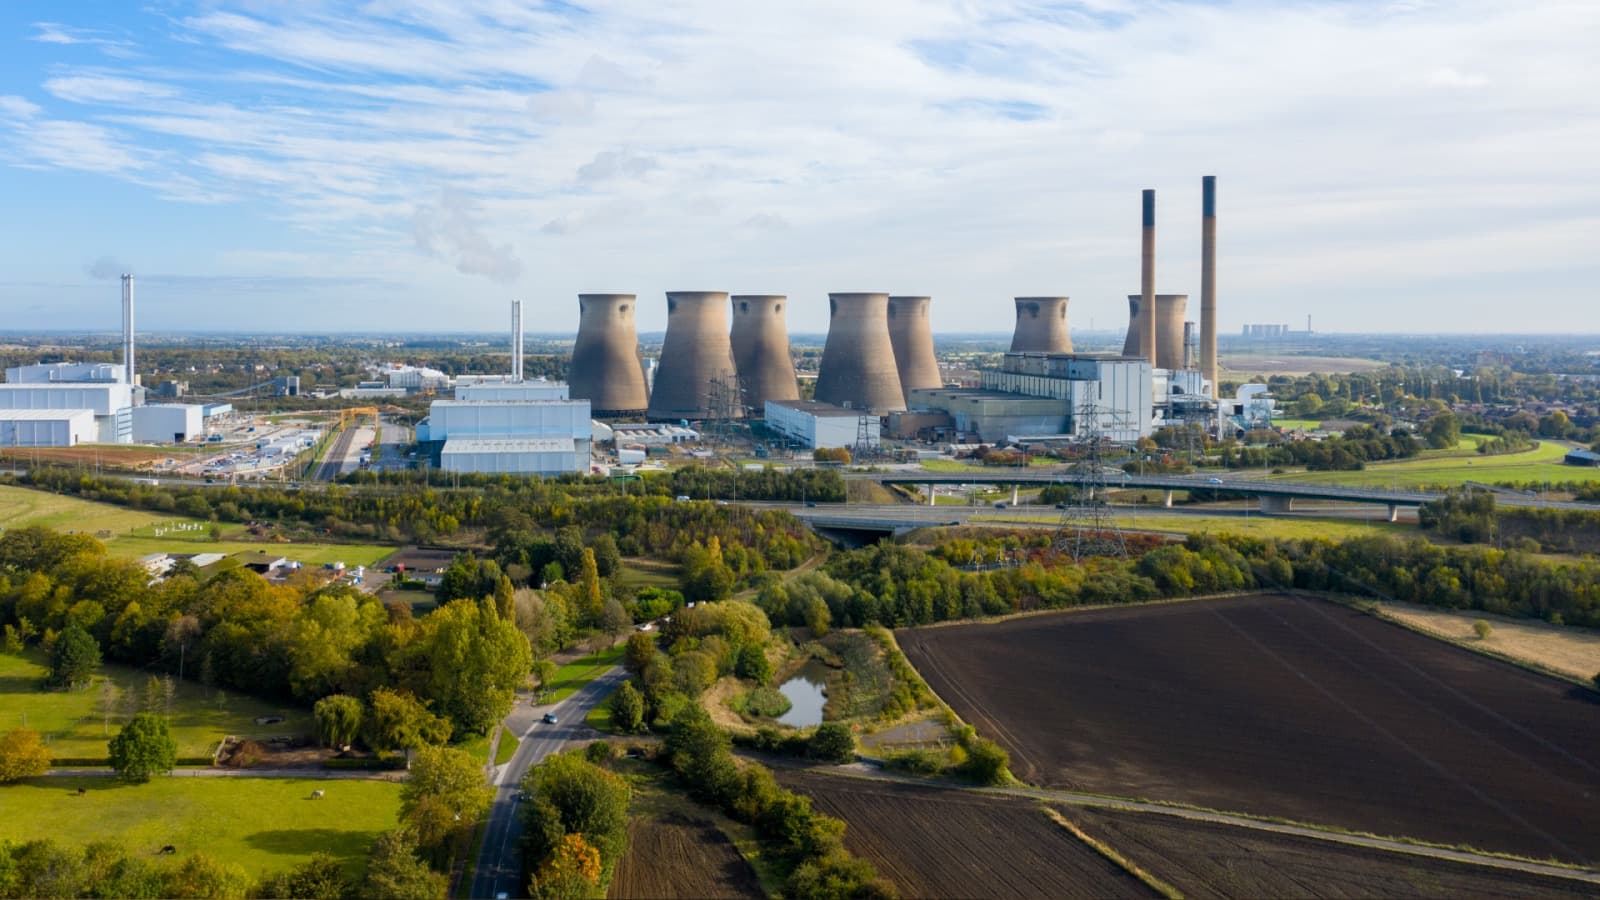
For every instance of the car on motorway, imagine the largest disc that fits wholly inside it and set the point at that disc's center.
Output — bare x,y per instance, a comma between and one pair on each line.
550,718
1214,480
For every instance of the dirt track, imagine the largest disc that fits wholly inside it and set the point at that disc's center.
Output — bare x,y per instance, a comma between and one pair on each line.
1284,707
1206,860
940,843
680,857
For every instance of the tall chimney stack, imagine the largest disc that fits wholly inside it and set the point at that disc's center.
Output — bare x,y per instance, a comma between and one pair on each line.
127,326
516,340
1208,281
1147,280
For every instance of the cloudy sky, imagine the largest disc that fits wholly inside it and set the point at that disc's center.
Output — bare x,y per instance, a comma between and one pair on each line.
415,164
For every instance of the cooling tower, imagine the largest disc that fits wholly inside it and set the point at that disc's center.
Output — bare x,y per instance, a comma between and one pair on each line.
1168,329
605,357
760,340
911,336
1147,277
1041,326
1208,282
858,365
696,378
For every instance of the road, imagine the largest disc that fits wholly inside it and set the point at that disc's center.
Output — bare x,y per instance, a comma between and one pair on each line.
498,868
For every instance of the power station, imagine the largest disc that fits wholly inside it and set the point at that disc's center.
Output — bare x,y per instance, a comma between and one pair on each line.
760,340
1041,326
696,378
911,337
605,357
858,369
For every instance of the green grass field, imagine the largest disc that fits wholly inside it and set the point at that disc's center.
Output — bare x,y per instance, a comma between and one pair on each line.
506,748
956,465
1254,526
583,670
263,824
75,725
1539,465
642,573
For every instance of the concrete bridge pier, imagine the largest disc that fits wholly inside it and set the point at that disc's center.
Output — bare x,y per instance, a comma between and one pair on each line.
1166,499
930,495
1272,503
1394,512
1014,495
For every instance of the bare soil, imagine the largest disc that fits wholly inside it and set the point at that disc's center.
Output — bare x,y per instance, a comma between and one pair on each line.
1203,860
1285,707
1566,649
678,856
930,842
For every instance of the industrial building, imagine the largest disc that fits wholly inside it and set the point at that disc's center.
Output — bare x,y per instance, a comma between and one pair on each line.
46,427
1041,326
510,426
1062,395
815,425
110,404
163,423
911,336
415,379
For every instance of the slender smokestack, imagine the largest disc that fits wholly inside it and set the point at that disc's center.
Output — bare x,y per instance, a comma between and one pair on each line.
516,340
1147,280
1208,282
127,326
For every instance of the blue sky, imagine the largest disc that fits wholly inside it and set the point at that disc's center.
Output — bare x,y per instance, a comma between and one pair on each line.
415,164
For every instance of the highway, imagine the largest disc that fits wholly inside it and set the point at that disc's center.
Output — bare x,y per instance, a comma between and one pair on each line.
498,868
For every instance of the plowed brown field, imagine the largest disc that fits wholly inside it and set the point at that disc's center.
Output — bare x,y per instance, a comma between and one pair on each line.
676,856
940,843
1205,860
1283,706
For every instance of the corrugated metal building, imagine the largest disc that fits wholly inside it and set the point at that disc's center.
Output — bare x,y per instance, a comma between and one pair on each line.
168,423
523,456
817,425
46,427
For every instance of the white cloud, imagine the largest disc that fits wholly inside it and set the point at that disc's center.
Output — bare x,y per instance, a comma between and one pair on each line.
15,107
450,230
609,164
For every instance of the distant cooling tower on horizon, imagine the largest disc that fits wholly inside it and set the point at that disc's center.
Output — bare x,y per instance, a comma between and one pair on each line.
760,340
1041,326
696,378
911,336
1168,330
605,358
858,365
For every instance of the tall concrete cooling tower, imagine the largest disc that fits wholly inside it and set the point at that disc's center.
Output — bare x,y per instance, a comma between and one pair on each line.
696,378
911,336
760,341
1208,282
1168,328
858,364
1041,326
605,358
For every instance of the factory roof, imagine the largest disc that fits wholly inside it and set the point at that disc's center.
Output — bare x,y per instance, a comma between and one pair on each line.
508,402
508,445
820,409
42,415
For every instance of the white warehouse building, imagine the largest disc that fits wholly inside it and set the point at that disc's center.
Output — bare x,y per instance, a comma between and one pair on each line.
521,456
111,404
46,427
484,391
816,425
513,427
168,423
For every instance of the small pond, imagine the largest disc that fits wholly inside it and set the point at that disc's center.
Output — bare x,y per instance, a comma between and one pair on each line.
807,693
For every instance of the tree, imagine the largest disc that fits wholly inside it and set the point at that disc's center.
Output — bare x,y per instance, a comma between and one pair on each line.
75,657
627,708
986,761
753,664
544,673
338,719
319,878
1308,405
22,755
470,662
395,873
641,648
572,871
614,619
444,796
571,795
398,721
591,600
1443,431
1482,629
202,878
143,747
832,742
607,558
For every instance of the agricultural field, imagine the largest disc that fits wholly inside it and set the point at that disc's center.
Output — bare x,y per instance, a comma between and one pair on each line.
263,824
1571,651
675,855
931,842
1536,466
1280,526
1204,860
75,723
94,456
1283,707
1239,366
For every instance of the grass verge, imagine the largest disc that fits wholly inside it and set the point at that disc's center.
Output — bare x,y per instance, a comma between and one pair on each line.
574,675
506,748
1150,881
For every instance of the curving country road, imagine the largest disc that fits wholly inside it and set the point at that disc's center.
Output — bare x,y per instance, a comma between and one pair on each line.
498,869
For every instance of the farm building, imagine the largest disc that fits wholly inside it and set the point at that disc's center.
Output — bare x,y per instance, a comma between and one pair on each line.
168,423
1582,457
46,427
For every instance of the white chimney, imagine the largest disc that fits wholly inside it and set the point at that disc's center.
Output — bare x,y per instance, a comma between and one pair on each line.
127,326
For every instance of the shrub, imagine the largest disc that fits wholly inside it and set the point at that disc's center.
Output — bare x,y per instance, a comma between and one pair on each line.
74,658
1482,629
22,755
832,742
319,878
627,708
767,702
144,747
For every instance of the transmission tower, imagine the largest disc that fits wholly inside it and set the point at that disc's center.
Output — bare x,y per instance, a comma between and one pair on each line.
867,445
1087,526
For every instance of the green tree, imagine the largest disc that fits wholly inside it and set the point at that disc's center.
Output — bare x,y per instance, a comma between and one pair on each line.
470,663
574,796
832,742
1308,405
199,877
444,796
319,878
1482,629
1443,431
753,664
591,600
505,599
641,648
627,708
143,747
987,762
607,558
338,719
395,873
614,618
544,673
22,755
396,720
75,657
